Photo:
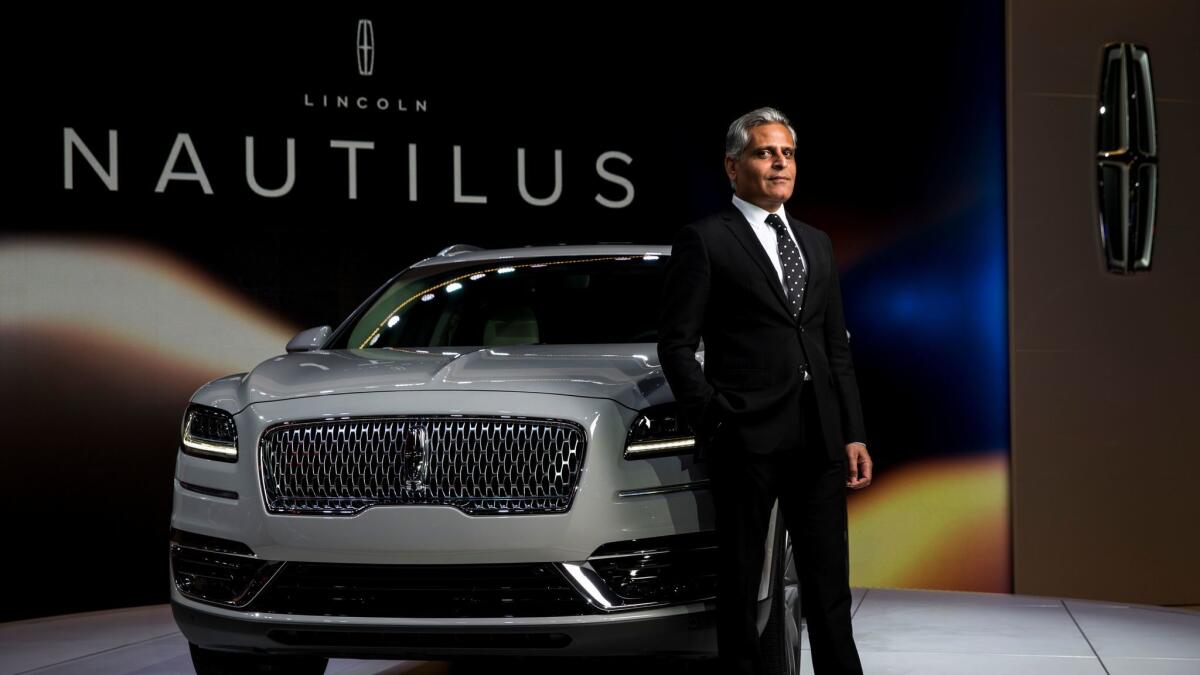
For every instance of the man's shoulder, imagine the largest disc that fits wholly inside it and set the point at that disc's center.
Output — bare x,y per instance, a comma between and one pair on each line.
813,230
712,223
803,224
713,219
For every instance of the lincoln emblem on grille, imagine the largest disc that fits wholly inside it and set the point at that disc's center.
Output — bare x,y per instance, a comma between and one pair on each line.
416,459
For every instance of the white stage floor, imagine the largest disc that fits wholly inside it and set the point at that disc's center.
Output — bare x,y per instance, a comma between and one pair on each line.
897,631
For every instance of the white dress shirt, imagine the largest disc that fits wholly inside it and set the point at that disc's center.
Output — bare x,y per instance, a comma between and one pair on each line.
767,236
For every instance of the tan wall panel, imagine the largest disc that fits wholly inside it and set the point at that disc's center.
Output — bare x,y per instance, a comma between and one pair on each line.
1105,370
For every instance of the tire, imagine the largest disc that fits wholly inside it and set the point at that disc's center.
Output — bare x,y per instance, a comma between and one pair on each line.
781,639
213,662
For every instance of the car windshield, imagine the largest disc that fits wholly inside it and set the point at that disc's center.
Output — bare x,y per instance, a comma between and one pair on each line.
576,300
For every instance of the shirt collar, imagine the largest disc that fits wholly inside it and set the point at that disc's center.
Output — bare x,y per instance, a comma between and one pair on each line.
755,214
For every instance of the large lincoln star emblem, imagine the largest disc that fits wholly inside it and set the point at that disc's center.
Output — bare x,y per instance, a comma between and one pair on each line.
416,459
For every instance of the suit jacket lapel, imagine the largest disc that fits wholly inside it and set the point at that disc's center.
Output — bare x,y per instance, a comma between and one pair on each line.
810,247
740,228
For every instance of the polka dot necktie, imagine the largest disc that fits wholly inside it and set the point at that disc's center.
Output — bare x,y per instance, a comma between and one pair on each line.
789,258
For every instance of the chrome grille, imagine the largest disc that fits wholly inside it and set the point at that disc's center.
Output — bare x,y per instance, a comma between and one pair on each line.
481,465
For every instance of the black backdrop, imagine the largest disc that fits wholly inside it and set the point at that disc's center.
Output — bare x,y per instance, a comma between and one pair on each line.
886,103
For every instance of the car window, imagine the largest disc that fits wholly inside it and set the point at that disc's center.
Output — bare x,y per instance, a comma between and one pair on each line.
600,299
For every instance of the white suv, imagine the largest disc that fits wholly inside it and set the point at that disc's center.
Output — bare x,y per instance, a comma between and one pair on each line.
484,458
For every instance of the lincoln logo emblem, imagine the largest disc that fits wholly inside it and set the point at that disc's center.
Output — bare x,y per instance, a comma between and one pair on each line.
1127,158
416,459
366,47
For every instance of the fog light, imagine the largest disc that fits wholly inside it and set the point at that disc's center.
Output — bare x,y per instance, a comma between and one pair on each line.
218,571
640,573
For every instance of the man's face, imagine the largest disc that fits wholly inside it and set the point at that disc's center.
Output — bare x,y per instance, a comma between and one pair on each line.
766,172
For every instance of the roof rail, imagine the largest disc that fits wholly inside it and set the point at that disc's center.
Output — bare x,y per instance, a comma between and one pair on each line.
455,249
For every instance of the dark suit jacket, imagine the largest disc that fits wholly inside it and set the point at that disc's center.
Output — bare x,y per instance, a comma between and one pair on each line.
720,285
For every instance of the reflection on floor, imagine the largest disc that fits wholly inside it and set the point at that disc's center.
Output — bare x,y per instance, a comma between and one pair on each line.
897,631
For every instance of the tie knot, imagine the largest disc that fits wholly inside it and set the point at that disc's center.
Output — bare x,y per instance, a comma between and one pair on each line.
775,221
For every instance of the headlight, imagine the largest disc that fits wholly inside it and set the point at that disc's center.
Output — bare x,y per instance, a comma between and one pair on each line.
658,431
209,433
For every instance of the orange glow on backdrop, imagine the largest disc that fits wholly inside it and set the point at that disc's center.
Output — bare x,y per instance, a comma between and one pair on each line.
127,293
939,524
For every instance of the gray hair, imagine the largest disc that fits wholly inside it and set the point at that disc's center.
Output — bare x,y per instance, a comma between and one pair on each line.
738,136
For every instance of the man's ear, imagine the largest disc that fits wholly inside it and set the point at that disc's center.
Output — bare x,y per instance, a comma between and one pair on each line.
730,163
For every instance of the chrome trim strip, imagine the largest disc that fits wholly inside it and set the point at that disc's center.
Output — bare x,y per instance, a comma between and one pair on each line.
208,491
262,588
313,620
213,550
652,551
665,489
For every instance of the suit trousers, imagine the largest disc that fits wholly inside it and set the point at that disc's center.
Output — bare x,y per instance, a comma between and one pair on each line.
811,492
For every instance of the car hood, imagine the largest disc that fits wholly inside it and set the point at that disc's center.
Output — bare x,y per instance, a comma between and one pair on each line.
627,373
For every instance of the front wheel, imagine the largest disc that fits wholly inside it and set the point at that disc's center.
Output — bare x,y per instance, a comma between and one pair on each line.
213,662
781,638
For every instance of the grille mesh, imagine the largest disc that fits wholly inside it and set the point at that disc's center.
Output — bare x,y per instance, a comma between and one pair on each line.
481,465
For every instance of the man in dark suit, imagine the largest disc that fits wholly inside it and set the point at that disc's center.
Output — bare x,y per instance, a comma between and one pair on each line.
775,405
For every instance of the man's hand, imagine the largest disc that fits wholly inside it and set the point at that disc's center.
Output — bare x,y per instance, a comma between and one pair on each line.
859,466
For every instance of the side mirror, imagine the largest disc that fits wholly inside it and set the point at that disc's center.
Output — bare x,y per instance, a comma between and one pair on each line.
308,340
